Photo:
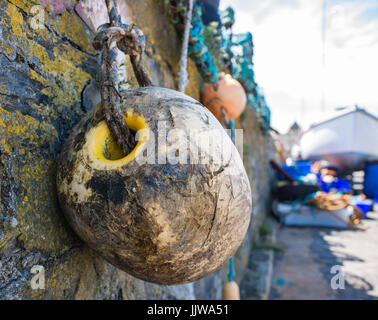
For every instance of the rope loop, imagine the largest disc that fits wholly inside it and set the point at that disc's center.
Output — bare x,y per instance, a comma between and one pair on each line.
112,37
129,38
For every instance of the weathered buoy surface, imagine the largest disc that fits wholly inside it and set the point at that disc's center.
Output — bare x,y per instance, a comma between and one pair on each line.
167,222
230,94
231,291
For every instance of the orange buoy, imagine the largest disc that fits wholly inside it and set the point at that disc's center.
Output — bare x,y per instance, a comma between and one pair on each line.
231,291
230,94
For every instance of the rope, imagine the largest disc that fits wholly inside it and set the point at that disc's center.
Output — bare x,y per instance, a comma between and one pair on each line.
329,202
110,80
183,74
231,123
129,39
114,16
231,270
334,202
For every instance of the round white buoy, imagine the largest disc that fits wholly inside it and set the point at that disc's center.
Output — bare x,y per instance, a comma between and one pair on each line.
162,219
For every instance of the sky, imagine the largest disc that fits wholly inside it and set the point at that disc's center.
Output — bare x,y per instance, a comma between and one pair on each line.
288,58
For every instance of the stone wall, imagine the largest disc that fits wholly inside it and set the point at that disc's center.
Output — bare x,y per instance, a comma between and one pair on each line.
47,82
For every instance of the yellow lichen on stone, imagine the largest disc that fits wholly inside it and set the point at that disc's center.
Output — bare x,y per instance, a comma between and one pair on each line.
16,127
42,227
16,20
37,77
195,81
9,50
3,240
62,67
22,5
72,27
34,179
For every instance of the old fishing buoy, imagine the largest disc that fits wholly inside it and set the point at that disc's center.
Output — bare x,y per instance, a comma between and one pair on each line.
161,222
174,207
227,93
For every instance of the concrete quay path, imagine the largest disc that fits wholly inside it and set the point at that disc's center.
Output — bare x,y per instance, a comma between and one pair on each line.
321,263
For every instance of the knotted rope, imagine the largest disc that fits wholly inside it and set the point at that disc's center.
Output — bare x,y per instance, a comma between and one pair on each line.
110,38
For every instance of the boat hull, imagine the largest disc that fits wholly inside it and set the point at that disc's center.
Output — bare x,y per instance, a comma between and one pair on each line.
346,141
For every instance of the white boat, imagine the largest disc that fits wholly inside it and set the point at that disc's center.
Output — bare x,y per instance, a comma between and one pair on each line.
346,140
